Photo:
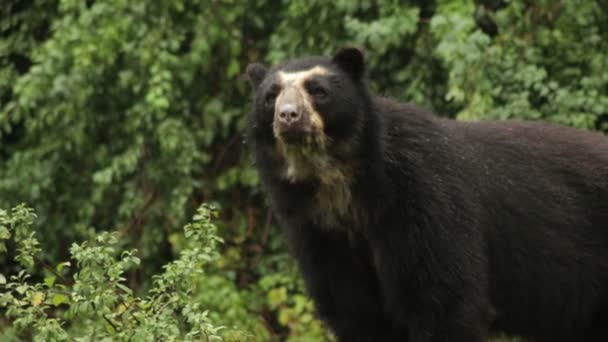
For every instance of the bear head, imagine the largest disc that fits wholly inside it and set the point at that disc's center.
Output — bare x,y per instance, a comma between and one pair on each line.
310,110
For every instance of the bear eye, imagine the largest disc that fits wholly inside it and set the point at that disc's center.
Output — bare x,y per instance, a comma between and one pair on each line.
270,98
317,92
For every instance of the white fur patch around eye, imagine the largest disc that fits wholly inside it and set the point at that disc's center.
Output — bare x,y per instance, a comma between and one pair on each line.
298,77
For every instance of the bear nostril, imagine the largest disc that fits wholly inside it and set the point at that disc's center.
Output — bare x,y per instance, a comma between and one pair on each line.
288,114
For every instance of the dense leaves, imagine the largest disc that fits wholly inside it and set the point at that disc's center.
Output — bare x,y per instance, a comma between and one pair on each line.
98,297
124,116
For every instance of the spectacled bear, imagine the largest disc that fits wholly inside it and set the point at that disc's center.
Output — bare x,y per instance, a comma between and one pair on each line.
411,227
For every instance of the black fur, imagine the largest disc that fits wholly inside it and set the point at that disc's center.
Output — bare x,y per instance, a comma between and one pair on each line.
350,60
256,73
463,229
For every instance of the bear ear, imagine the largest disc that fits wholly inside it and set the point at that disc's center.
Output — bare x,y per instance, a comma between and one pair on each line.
256,73
351,60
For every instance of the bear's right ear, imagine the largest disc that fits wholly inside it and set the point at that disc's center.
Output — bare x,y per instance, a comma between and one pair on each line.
256,73
351,59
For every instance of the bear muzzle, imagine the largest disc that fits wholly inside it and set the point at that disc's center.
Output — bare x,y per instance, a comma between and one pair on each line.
291,122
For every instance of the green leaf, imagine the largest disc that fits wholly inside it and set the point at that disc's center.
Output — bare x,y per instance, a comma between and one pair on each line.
59,299
62,265
21,289
50,281
4,233
125,288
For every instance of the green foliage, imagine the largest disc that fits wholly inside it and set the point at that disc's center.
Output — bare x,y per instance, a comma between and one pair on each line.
128,114
551,65
18,223
97,300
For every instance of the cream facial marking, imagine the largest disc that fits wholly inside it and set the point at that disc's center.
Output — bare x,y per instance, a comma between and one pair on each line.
294,81
306,161
298,77
312,161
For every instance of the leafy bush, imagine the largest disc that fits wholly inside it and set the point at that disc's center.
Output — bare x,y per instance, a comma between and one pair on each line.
95,303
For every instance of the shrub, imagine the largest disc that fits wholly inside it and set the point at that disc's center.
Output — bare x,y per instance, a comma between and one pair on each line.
86,298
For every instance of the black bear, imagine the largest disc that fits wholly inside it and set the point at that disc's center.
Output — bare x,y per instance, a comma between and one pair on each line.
410,227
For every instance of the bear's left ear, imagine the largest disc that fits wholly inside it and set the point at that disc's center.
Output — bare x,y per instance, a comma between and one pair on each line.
351,60
256,73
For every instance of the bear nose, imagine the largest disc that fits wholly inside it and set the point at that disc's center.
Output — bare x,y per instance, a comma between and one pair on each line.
288,114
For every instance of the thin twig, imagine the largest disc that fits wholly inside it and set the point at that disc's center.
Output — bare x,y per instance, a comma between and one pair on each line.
110,323
267,223
52,270
130,312
264,238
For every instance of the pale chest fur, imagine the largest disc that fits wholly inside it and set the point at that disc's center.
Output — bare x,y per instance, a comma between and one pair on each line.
333,205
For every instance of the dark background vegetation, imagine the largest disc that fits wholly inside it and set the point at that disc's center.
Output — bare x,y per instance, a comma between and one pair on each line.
127,115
